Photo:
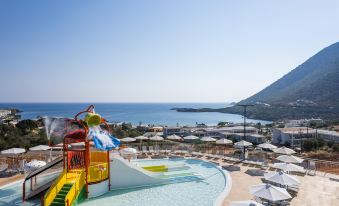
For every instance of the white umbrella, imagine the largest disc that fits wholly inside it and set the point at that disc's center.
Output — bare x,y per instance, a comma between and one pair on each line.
267,146
288,167
128,151
224,141
40,148
128,139
33,165
245,203
284,150
243,144
174,137
281,178
191,137
141,138
208,139
290,159
13,151
270,192
156,138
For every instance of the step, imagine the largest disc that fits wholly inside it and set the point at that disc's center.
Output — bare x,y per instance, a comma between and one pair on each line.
60,197
57,204
59,200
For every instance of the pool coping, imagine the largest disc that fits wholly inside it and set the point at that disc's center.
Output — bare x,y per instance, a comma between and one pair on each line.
228,186
228,181
22,179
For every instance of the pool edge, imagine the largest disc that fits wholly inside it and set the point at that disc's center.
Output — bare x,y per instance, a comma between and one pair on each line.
228,186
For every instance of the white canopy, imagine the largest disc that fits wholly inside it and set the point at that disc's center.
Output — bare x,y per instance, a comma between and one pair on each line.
13,151
288,167
281,178
243,144
284,150
128,139
40,148
191,137
270,192
174,137
208,139
141,137
224,141
245,203
267,146
156,138
290,159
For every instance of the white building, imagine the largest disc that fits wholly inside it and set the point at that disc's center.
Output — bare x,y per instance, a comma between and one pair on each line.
302,122
5,112
294,135
174,131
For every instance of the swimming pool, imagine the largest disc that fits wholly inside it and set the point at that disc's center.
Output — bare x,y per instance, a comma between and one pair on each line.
212,186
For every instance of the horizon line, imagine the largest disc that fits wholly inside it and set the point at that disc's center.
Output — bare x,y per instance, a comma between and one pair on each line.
48,102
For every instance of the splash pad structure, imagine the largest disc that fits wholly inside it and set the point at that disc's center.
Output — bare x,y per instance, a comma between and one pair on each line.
90,172
83,170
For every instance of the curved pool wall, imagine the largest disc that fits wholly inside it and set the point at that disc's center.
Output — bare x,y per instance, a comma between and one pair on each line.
228,186
212,189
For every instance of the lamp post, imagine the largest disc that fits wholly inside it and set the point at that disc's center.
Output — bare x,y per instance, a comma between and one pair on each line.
245,110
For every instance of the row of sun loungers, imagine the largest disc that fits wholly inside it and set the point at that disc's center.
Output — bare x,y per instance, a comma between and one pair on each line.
214,158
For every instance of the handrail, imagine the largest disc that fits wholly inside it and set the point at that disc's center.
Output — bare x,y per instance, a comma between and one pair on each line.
55,188
75,189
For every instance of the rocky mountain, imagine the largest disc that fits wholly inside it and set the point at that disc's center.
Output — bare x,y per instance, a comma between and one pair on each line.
309,91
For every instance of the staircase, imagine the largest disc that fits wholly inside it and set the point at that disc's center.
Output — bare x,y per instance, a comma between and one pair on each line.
59,200
66,189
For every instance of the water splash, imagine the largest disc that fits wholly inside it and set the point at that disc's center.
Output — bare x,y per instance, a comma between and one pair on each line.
55,127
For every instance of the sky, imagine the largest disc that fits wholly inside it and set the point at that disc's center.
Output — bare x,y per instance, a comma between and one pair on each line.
156,50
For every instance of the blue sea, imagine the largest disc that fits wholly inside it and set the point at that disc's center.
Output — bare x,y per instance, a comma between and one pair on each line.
146,113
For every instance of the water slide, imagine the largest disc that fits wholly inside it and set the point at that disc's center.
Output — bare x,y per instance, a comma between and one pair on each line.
124,174
41,188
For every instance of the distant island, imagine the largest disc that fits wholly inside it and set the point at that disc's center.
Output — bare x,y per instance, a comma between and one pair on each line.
309,91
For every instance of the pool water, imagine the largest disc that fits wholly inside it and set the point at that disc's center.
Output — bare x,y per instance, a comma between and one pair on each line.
201,192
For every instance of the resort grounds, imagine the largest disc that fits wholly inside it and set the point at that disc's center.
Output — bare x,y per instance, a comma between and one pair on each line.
320,188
